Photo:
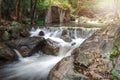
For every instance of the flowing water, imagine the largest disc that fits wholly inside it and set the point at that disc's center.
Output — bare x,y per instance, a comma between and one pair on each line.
37,67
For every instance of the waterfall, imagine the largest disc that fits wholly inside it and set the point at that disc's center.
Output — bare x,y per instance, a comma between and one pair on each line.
37,67
18,54
48,18
74,32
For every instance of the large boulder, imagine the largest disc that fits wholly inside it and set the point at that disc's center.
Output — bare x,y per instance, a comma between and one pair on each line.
26,45
47,46
92,58
6,54
64,71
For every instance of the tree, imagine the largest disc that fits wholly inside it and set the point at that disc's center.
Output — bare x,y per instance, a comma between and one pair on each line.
18,5
0,9
33,11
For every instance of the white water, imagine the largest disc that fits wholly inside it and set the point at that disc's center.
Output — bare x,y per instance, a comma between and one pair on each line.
37,67
18,54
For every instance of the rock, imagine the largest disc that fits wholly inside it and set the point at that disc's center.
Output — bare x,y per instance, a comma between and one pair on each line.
85,59
117,66
24,33
15,34
48,47
64,71
53,14
65,36
5,36
26,45
14,23
51,47
6,54
91,58
64,32
41,33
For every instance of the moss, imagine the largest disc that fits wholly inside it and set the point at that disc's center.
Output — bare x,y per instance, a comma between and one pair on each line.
117,43
114,53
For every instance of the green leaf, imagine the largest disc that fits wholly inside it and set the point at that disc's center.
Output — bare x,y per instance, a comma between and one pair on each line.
115,73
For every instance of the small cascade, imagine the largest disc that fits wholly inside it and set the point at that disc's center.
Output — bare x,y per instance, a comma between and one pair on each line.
37,67
18,54
74,32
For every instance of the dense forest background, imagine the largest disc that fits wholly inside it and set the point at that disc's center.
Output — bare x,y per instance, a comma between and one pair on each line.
34,11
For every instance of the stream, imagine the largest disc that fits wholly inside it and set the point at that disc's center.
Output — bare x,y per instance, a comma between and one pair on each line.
37,66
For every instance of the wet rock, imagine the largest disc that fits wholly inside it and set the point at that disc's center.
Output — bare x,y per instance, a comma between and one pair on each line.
64,32
25,45
41,33
14,34
14,31
65,36
6,54
85,59
48,47
64,71
24,33
91,58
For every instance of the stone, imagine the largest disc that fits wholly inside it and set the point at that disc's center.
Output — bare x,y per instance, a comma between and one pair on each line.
41,33
51,47
25,46
64,71
6,54
5,36
47,46
90,59
65,36
24,33
64,32
53,14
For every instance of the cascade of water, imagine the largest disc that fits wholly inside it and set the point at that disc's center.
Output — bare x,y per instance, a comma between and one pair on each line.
18,54
37,67
75,32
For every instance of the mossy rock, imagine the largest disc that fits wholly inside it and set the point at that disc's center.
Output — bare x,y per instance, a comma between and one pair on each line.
6,54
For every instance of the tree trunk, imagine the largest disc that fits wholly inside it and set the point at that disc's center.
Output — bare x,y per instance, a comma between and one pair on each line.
18,4
33,11
0,10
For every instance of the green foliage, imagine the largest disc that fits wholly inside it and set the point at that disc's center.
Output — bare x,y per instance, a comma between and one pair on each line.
42,4
64,4
114,53
113,62
117,43
115,74
40,22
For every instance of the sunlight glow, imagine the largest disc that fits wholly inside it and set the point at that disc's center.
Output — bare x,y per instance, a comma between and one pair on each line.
107,4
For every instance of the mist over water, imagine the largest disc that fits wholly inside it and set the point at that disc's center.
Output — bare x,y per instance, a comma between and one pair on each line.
37,67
